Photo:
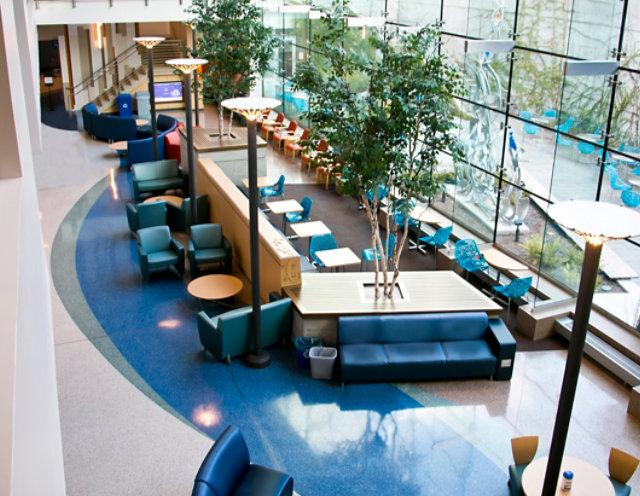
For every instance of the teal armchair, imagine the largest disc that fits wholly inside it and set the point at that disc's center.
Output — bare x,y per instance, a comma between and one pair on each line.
207,245
146,215
179,218
158,250
229,334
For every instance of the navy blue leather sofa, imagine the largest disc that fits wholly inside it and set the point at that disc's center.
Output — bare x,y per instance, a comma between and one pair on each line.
141,149
108,127
227,471
404,347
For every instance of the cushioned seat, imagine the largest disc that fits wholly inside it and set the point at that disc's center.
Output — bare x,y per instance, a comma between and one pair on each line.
146,215
207,245
157,250
179,217
156,176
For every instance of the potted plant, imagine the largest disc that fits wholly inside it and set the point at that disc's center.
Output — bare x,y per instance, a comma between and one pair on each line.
389,136
237,45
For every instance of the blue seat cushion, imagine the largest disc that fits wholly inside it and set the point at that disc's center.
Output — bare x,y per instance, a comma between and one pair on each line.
363,362
209,254
158,184
263,480
469,357
162,258
411,360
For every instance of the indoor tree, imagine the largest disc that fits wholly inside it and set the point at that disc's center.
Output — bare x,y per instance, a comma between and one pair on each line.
237,45
388,137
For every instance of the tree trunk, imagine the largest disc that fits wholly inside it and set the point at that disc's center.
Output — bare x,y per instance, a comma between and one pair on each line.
220,119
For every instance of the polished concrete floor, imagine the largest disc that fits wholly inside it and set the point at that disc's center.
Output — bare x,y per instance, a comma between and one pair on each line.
124,434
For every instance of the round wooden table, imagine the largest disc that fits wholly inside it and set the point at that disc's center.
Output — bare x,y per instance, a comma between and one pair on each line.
214,287
174,200
587,479
119,146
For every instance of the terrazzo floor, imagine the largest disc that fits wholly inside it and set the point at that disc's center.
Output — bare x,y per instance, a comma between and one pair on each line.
140,403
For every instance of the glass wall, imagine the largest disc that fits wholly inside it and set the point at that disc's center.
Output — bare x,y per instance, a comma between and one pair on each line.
532,136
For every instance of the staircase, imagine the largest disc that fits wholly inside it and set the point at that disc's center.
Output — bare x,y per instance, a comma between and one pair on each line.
107,99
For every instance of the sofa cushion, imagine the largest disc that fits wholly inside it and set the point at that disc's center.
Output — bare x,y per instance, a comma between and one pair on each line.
155,170
204,255
160,184
469,358
408,361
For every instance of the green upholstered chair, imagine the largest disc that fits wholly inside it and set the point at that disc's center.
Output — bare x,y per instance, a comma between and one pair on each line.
230,334
158,250
524,449
207,245
144,215
621,467
179,218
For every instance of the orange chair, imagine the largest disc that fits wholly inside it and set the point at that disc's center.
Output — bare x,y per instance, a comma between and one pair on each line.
266,130
280,135
294,146
324,173
307,158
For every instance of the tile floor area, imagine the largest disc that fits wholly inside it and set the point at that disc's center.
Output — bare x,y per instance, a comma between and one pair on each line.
124,434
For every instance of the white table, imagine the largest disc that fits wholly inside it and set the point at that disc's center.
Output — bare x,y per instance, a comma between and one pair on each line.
310,229
338,257
262,182
282,207
587,479
501,261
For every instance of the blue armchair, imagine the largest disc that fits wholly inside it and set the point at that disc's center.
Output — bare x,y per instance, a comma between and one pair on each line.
158,250
227,470
469,257
319,243
276,189
387,245
179,218
439,238
146,215
208,246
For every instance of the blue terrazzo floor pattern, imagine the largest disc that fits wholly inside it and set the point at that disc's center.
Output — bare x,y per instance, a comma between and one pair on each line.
356,440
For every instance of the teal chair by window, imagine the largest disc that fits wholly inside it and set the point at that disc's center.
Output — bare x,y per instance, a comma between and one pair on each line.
621,467
179,218
207,246
439,238
527,127
274,190
630,198
586,149
551,113
399,217
517,288
318,243
306,203
387,245
524,449
616,183
144,215
158,250
564,127
469,257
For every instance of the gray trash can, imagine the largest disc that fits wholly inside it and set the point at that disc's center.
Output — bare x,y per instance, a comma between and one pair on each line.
323,360
144,106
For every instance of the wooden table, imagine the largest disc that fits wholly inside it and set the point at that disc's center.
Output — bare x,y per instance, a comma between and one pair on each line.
587,479
310,229
338,257
142,122
214,287
282,207
501,261
262,182
120,147
174,200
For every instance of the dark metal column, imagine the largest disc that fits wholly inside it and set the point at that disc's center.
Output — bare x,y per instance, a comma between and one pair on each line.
152,102
194,41
572,367
190,158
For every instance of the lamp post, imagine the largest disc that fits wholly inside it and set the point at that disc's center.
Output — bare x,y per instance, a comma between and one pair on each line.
187,66
194,42
251,108
597,222
149,42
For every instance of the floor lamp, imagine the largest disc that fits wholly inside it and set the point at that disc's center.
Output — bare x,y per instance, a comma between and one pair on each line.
187,66
149,42
251,108
194,42
596,222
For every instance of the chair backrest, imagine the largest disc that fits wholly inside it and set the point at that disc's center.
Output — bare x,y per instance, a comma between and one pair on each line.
158,169
152,214
525,114
279,186
166,122
280,117
550,113
323,146
630,198
154,239
206,235
518,287
321,242
524,449
621,465
225,464
293,125
566,125
305,134
586,147
466,249
442,235
306,204
202,204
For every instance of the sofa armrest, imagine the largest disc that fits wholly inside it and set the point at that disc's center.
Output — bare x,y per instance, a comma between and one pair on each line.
503,345
209,333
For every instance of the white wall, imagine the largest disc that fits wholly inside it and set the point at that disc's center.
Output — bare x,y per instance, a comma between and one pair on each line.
30,439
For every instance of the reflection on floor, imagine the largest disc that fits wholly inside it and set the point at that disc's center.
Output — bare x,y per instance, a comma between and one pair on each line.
431,438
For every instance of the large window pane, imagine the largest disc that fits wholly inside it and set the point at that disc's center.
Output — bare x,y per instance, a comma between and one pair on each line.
544,25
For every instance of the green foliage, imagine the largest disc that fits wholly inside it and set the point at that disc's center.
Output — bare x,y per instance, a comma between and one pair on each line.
234,41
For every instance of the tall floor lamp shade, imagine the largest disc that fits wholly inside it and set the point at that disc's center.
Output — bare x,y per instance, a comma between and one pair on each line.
251,108
149,42
187,66
596,222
